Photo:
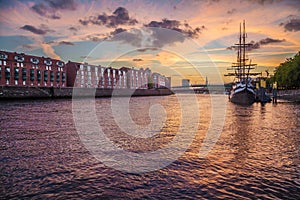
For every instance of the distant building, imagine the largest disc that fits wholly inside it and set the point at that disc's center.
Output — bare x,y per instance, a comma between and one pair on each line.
136,78
185,83
19,69
84,75
160,81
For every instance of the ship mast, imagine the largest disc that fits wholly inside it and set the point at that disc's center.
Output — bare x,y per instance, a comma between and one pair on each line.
244,52
241,67
240,55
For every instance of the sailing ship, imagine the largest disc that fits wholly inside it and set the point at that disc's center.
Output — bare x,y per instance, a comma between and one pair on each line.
242,91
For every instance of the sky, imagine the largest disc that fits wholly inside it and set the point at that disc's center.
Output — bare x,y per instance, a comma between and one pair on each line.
183,39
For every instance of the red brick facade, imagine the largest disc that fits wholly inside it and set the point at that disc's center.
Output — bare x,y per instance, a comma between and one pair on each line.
28,70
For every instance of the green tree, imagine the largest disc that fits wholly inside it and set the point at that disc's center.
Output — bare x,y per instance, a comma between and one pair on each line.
287,74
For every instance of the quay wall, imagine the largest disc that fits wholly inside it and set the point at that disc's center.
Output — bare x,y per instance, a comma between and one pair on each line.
289,95
21,92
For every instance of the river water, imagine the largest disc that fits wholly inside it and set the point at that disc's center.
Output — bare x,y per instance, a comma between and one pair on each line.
42,154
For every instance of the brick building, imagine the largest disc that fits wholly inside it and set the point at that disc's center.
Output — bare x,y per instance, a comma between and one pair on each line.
28,70
136,78
84,75
19,69
160,81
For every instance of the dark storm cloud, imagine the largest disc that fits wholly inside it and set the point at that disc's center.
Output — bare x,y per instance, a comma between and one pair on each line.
39,31
257,45
175,25
119,17
292,25
49,8
66,43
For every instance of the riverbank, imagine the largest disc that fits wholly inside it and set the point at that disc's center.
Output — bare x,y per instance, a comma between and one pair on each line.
289,95
17,92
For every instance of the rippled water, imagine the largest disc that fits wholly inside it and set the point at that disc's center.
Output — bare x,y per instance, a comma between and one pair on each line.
256,156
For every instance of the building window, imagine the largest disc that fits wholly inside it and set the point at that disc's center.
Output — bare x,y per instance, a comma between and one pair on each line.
24,74
0,62
58,77
45,75
39,75
51,76
0,72
4,62
63,77
16,73
31,74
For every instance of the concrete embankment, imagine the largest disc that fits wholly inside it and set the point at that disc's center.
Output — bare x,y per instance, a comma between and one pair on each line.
289,95
18,92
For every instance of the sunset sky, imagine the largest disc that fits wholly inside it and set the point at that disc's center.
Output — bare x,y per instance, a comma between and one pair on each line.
131,33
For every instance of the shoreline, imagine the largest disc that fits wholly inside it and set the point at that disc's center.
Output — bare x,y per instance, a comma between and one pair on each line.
289,95
27,92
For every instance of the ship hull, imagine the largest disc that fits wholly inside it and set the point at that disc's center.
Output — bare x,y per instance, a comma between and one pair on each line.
243,97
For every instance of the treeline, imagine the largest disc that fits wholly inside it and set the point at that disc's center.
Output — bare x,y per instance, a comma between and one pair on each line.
287,74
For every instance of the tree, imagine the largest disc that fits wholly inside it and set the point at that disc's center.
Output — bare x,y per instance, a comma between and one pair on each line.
287,74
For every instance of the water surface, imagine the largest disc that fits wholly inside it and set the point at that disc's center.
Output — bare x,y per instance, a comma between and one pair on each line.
256,156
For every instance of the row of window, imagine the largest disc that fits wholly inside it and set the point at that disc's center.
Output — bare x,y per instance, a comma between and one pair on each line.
32,77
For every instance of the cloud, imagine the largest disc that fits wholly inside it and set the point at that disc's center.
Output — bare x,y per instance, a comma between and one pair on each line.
96,37
133,37
27,46
175,25
137,59
262,2
148,49
269,40
66,43
117,31
62,4
119,17
49,8
49,51
85,57
72,28
39,31
292,25
232,11
155,34
257,45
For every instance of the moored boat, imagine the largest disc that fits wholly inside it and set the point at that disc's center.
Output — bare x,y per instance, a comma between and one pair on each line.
242,92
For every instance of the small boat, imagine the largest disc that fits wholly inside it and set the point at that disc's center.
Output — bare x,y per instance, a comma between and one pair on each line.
242,91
